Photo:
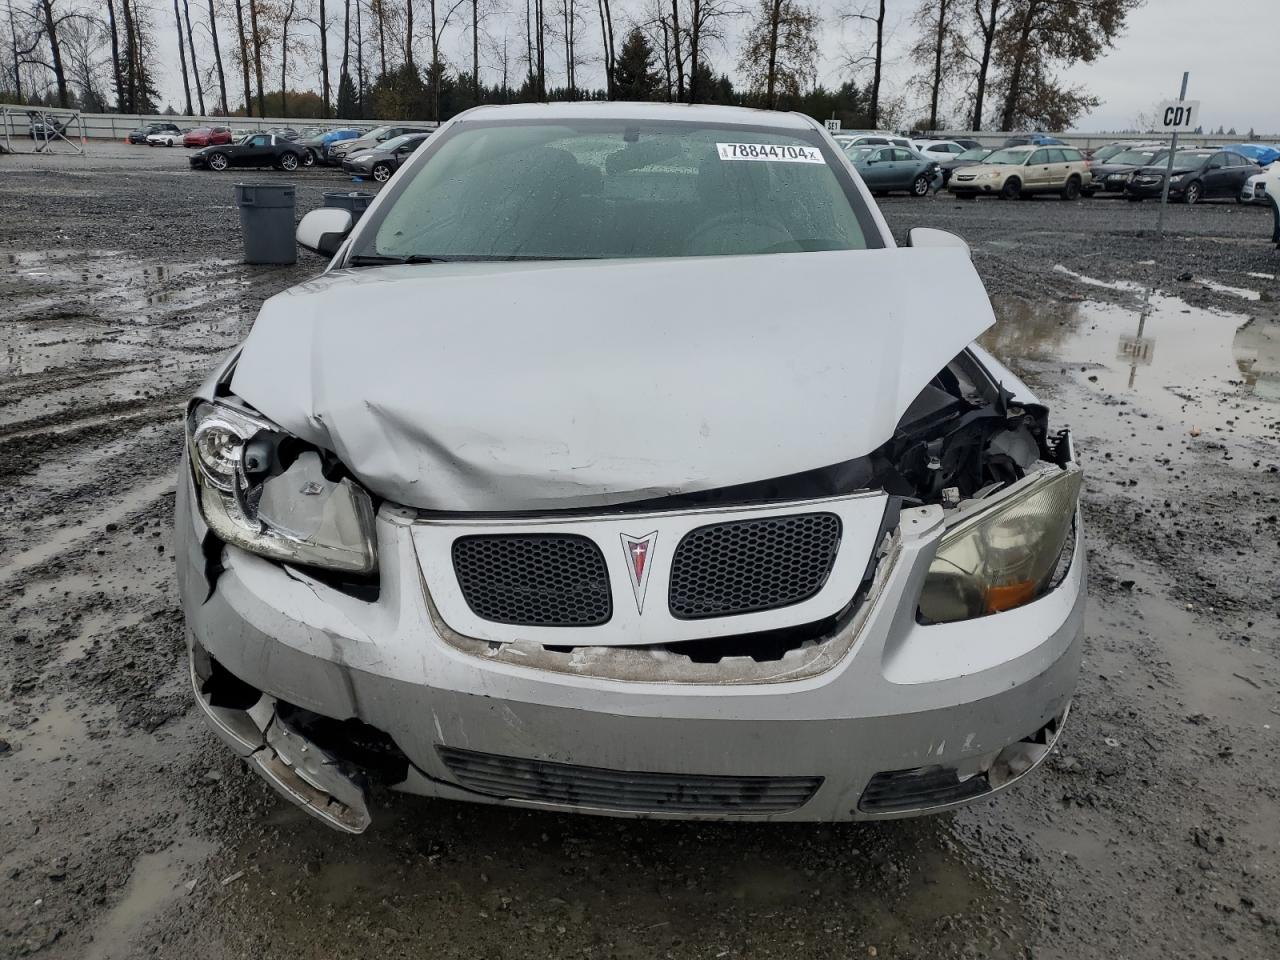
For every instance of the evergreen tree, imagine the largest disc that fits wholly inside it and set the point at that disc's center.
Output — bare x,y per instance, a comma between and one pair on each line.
634,75
348,101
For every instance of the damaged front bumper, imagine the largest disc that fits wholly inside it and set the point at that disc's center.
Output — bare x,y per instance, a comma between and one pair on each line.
326,693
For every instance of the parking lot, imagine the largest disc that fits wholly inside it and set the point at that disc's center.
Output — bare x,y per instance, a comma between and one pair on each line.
125,830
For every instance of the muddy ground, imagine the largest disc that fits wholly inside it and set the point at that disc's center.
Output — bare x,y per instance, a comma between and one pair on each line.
125,830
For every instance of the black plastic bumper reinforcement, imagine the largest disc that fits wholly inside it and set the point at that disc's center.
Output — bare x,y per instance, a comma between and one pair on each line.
545,781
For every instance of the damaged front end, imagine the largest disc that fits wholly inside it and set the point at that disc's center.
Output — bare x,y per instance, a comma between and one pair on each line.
385,585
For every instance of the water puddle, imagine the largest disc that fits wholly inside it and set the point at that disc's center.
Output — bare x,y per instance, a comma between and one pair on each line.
158,879
1196,367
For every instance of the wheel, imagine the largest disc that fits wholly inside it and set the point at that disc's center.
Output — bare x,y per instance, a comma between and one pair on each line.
1072,190
1012,189
1193,194
308,159
381,172
920,186
289,162
218,161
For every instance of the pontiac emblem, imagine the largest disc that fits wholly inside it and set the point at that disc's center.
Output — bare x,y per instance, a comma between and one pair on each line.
638,551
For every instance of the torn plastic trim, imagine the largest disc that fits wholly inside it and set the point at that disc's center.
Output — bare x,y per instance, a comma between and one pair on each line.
662,664
298,769
935,788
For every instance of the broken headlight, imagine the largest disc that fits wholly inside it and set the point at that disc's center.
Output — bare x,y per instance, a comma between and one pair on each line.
267,492
1004,556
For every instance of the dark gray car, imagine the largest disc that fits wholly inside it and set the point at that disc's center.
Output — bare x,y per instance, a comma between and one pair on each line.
894,168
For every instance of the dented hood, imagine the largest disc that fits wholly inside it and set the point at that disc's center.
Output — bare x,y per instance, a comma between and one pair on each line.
526,386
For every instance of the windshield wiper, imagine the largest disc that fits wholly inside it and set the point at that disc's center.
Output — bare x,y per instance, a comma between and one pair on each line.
381,260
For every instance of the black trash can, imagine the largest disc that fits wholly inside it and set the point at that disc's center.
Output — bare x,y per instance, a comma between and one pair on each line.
352,200
267,222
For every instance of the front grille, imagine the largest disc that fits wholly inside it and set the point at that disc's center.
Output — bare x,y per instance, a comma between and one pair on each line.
750,565
534,580
897,790
544,781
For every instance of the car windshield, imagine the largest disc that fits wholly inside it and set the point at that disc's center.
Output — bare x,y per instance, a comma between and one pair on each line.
615,188
974,154
395,142
1139,157
1193,157
1105,153
858,151
1005,157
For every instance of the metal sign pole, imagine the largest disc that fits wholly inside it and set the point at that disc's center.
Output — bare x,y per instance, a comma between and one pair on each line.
1168,173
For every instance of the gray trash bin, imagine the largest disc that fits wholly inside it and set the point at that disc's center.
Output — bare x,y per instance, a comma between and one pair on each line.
267,222
352,200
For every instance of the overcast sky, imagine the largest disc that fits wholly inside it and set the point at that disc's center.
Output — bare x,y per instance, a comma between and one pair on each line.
1232,51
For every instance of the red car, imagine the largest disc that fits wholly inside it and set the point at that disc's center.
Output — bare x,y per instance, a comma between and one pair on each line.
206,136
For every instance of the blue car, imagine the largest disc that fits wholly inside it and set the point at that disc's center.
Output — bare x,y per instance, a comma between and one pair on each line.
1259,153
319,144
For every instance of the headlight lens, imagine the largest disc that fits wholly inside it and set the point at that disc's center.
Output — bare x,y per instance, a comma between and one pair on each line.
268,493
1003,557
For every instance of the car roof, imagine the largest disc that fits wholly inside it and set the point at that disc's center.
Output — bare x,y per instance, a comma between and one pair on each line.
620,110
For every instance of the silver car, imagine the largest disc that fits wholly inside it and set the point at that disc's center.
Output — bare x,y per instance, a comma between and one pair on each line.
565,487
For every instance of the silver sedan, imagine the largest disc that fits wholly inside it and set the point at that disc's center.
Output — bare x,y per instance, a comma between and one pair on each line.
566,487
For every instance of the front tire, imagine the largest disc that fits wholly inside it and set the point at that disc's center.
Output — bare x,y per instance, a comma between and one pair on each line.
1012,189
309,159
381,172
920,186
218,162
1193,194
289,162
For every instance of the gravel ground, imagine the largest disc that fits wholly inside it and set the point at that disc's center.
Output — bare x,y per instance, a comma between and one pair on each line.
125,830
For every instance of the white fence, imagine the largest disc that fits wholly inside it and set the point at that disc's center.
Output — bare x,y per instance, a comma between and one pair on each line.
116,126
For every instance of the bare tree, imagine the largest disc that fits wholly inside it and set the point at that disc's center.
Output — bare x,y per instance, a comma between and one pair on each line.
873,14
288,15
115,54
438,25
321,23
55,51
182,56
83,37
256,36
705,25
988,15
606,44
195,66
780,51
217,59
244,56
675,48
938,48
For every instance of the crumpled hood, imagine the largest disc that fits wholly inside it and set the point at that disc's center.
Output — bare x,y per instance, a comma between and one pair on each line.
545,385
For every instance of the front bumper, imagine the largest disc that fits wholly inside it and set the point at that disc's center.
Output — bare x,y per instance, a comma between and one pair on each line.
974,705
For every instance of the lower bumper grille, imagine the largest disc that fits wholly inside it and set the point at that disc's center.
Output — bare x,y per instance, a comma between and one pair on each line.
544,781
919,788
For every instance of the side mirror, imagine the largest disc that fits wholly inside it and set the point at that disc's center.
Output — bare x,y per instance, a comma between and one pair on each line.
322,231
929,237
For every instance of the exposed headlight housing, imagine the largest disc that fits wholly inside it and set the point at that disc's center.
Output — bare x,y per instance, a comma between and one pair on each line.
265,491
1005,556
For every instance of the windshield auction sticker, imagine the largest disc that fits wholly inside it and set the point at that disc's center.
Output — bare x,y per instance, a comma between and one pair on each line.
771,152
